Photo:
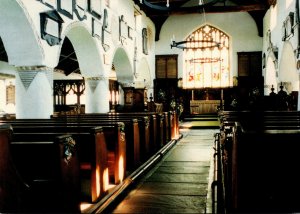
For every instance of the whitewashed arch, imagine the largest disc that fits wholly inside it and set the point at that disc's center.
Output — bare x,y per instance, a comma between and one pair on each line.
288,73
270,75
144,73
123,66
86,49
20,38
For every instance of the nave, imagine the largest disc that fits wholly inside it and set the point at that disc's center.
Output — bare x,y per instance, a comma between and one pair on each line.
180,182
238,162
41,185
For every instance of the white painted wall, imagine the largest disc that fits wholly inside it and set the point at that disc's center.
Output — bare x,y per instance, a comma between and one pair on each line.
285,68
24,46
239,26
32,10
21,36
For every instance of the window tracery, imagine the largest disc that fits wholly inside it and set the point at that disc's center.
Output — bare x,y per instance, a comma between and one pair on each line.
206,59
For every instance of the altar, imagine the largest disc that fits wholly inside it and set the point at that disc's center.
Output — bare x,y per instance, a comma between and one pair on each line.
204,106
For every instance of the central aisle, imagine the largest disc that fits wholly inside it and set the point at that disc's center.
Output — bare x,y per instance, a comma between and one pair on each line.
180,183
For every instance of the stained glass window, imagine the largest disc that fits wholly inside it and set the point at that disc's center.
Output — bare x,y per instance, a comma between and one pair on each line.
206,59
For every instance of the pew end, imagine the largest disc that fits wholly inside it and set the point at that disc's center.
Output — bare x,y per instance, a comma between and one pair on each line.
50,172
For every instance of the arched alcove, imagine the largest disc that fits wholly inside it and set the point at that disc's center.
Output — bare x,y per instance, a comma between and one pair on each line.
288,73
123,66
143,73
270,75
19,36
86,49
77,51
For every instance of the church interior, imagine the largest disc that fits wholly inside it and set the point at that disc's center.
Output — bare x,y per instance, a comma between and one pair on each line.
95,93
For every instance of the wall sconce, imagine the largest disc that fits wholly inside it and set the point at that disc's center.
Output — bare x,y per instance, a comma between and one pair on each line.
51,25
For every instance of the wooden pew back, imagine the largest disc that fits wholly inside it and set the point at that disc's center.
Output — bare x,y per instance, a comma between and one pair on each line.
54,189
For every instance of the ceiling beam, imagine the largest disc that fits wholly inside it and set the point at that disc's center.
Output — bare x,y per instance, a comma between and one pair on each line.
211,9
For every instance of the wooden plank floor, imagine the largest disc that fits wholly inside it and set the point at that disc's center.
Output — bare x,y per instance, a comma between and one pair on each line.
180,182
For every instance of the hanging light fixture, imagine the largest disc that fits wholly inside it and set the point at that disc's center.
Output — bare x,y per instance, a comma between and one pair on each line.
169,7
190,42
201,44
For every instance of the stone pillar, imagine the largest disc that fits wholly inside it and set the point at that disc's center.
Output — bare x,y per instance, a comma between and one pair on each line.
97,95
34,92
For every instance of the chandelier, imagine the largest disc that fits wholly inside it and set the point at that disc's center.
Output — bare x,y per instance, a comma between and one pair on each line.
191,43
169,6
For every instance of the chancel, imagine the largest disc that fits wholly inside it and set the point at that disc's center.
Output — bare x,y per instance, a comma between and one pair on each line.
158,106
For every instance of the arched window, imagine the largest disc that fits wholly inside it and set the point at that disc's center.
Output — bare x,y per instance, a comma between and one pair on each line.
206,59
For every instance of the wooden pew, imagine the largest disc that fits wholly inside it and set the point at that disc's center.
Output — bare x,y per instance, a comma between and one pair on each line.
11,184
163,126
263,134
264,170
165,123
58,191
147,147
168,124
100,149
136,131
142,148
114,140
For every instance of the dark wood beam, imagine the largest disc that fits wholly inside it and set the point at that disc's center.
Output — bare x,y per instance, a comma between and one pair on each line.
211,9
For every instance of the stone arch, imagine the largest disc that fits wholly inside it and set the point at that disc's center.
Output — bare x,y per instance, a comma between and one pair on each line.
123,66
288,69
86,49
144,73
88,54
270,75
123,71
20,39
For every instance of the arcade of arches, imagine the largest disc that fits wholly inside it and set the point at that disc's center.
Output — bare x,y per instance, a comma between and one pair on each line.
81,58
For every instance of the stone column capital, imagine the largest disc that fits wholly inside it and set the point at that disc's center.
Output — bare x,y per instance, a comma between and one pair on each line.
127,84
97,78
33,68
28,73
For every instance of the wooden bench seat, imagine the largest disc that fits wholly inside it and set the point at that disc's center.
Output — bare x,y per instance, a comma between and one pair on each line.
148,132
136,131
94,145
54,186
264,170
166,121
259,159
